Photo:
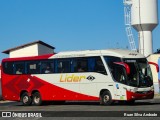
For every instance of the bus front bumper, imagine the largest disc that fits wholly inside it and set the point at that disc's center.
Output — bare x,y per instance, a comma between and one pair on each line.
139,95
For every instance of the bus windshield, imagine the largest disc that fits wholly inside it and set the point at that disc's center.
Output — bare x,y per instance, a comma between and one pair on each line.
140,72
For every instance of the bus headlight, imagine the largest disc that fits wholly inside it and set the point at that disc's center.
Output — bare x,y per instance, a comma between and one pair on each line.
131,89
134,89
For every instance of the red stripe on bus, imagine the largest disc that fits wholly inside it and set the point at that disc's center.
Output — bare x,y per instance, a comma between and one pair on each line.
15,84
29,58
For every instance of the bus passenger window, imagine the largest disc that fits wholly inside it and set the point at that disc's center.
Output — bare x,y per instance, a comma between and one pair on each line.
19,71
99,66
19,68
47,67
63,66
80,65
33,67
8,67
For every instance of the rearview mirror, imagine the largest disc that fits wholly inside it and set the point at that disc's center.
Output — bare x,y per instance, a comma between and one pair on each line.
156,65
125,65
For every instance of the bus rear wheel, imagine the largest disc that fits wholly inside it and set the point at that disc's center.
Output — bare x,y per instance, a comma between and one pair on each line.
26,99
106,98
37,100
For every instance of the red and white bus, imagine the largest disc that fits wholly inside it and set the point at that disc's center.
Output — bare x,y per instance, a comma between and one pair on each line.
91,75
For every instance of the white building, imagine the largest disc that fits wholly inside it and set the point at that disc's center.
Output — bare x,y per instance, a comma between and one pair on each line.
154,58
30,49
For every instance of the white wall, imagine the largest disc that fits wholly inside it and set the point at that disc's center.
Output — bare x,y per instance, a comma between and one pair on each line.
31,50
154,58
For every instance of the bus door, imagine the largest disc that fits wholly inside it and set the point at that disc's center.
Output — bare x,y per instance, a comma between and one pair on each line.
119,74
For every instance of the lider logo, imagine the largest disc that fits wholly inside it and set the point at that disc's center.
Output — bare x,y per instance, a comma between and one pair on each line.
71,78
75,78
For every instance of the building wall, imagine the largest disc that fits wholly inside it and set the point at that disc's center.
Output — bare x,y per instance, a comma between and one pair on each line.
44,50
154,58
31,50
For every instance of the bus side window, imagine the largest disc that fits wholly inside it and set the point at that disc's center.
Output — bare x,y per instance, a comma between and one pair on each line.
8,67
19,68
47,66
33,67
80,65
63,66
99,66
119,74
91,64
110,62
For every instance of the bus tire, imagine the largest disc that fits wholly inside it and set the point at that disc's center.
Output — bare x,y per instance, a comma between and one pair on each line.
37,100
26,99
106,98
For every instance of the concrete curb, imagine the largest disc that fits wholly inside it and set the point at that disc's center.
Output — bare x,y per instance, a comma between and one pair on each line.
2,101
156,95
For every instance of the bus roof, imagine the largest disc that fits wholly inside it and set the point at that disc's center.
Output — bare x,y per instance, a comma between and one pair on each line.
109,52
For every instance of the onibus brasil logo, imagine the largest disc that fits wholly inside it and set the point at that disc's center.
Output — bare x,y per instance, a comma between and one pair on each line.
21,114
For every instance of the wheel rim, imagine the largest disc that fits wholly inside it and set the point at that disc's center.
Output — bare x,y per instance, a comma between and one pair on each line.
106,98
25,99
36,99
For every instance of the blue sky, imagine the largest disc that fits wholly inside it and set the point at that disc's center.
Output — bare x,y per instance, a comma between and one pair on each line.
65,24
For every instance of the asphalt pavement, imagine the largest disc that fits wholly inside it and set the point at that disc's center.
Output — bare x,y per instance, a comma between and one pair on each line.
87,110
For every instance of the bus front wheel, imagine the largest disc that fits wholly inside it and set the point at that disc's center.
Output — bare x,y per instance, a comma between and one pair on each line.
106,98
26,99
37,99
